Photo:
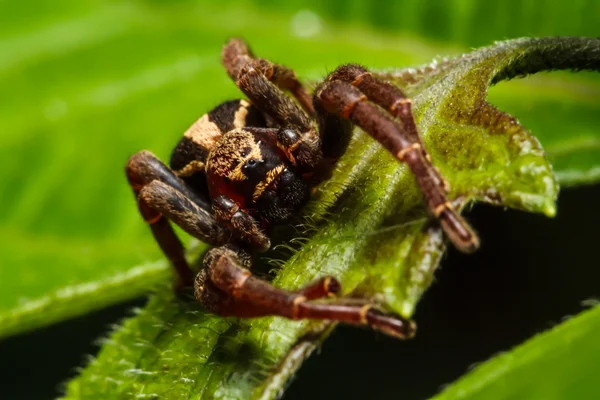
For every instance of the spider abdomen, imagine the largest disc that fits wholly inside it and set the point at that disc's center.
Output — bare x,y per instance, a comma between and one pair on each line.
188,160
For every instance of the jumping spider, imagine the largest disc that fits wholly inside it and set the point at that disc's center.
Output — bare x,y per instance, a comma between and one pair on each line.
248,165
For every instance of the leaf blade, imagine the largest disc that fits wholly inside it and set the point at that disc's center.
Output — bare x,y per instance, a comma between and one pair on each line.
556,364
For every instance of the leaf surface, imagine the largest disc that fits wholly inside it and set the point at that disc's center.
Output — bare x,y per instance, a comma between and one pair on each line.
557,364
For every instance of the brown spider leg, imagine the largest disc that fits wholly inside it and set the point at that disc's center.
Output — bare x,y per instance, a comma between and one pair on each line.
226,211
324,287
236,55
228,289
221,303
147,177
392,99
171,203
347,101
297,138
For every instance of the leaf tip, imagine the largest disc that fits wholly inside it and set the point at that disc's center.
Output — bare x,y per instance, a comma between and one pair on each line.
549,209
407,309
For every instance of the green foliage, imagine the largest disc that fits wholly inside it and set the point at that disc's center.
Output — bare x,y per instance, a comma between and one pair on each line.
558,364
85,84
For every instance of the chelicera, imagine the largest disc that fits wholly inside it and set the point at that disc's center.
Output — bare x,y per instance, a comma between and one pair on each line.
251,164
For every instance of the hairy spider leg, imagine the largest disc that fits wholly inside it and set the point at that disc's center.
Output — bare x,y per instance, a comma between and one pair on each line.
347,101
324,287
297,137
228,289
236,55
390,98
237,220
162,196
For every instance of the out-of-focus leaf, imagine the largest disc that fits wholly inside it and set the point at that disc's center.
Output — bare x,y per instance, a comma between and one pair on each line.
367,227
558,364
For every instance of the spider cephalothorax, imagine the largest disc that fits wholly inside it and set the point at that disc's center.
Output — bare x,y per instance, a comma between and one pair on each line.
248,165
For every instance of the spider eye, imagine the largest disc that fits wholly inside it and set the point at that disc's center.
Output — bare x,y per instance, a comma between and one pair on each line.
254,168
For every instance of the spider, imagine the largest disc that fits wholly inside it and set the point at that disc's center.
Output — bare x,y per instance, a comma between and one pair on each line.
251,164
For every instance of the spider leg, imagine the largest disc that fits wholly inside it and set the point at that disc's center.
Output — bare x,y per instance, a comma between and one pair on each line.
262,82
236,55
297,137
342,98
321,288
390,98
226,211
162,196
227,288
165,200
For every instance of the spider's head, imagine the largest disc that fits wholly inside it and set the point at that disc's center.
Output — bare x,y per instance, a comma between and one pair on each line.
250,169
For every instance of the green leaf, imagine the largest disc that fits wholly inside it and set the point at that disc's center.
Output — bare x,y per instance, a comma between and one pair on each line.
564,111
366,226
558,364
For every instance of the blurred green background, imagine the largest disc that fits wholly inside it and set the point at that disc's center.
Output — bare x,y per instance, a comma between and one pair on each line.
86,84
